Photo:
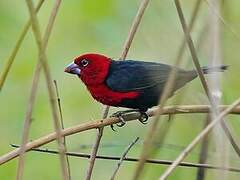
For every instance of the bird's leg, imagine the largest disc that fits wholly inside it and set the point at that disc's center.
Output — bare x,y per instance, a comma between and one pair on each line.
119,114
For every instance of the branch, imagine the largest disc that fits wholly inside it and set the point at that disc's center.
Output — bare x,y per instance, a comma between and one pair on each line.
126,48
17,46
62,124
134,27
201,172
32,97
106,122
215,59
230,28
123,157
201,76
194,16
201,135
167,90
130,159
43,60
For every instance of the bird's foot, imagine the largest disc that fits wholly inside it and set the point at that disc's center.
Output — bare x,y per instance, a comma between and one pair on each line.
143,118
119,114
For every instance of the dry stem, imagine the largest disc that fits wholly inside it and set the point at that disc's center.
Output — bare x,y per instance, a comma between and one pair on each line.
62,124
106,122
165,94
201,135
126,48
17,46
131,159
212,8
52,99
194,16
27,121
123,157
203,155
200,73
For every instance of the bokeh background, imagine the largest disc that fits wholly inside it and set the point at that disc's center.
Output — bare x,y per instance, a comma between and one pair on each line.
102,27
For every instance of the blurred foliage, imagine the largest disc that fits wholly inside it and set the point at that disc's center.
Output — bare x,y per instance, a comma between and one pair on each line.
102,26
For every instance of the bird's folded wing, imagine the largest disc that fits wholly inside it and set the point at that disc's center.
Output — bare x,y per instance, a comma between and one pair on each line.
130,75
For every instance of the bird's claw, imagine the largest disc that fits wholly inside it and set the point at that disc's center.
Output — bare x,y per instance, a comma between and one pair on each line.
112,127
122,123
118,115
143,118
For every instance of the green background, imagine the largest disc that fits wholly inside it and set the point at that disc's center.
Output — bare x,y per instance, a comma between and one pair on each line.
102,26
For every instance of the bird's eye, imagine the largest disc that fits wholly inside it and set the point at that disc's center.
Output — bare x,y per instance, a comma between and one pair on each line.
84,62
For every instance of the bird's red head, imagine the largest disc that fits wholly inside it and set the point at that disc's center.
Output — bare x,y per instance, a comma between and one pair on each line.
91,68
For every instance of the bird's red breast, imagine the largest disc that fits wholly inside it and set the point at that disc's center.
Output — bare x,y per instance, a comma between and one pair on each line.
109,97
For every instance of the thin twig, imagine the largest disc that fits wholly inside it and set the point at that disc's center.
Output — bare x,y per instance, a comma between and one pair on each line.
214,84
215,59
164,96
201,76
134,27
59,104
130,159
201,38
62,124
106,122
95,150
27,122
17,46
126,48
194,16
123,157
33,92
203,155
212,8
199,42
43,59
201,135
191,47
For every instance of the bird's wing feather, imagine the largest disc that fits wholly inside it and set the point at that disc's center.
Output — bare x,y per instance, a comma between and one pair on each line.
136,75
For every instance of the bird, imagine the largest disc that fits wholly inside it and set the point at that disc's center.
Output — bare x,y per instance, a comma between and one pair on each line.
133,84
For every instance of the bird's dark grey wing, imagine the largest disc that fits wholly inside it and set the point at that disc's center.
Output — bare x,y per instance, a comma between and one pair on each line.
136,75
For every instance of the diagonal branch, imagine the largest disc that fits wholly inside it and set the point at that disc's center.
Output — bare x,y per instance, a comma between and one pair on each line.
194,16
52,98
201,135
32,98
123,157
167,90
191,48
214,109
106,122
126,48
228,26
202,78
17,46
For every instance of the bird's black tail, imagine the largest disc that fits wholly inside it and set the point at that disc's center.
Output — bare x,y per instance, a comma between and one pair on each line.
207,70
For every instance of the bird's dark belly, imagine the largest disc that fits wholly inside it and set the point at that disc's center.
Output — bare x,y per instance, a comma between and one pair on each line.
147,99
